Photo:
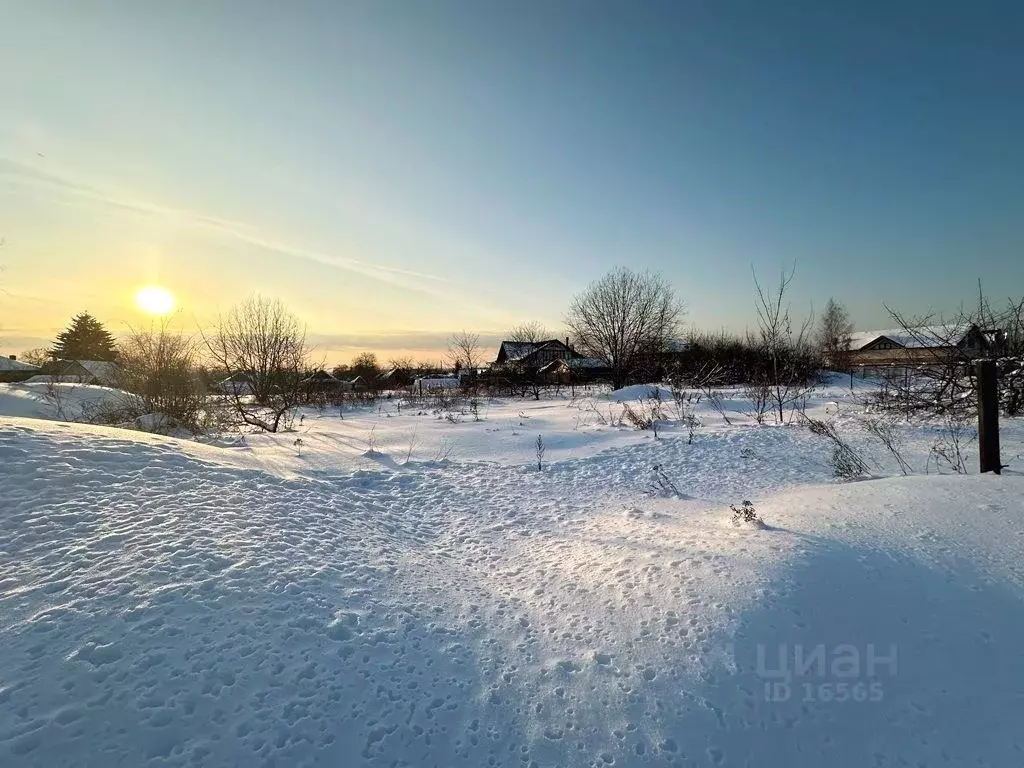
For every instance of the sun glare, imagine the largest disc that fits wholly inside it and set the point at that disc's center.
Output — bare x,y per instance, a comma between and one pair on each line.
154,300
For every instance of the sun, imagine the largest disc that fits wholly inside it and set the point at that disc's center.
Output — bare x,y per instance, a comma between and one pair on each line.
154,300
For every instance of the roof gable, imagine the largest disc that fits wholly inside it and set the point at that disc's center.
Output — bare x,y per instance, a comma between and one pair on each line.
920,337
6,364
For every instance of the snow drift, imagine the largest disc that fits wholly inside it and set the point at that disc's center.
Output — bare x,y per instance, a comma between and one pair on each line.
164,606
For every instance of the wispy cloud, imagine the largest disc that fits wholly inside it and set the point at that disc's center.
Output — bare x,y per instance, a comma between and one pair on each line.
24,173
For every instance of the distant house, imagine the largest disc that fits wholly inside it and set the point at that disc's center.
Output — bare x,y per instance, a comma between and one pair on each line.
574,370
235,384
99,372
553,361
396,378
533,354
12,369
322,382
921,345
426,383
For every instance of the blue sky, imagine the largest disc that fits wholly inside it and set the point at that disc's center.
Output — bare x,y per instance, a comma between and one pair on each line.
395,171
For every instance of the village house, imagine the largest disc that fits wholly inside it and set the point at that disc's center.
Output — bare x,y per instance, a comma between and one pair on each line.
101,372
532,354
921,345
13,370
322,383
525,355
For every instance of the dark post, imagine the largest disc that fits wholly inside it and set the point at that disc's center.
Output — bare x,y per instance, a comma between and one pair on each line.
988,416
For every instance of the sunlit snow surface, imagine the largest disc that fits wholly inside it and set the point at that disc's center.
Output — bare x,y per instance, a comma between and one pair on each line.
169,603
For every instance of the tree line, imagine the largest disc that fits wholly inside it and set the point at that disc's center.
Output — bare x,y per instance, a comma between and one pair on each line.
629,320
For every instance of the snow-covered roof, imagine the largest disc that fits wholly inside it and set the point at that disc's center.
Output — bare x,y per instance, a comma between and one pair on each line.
320,375
6,364
587,362
913,338
517,350
104,371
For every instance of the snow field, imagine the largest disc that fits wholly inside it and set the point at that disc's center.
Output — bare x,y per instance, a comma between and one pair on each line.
169,603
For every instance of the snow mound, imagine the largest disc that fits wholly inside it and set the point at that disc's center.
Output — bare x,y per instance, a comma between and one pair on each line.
640,392
170,608
57,401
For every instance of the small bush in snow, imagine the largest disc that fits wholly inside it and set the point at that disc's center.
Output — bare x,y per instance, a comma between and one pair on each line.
745,513
846,462
540,453
662,485
884,428
948,446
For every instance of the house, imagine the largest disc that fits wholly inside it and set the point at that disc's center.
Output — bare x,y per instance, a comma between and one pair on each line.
576,369
235,384
524,355
425,383
12,369
920,345
101,372
321,382
396,378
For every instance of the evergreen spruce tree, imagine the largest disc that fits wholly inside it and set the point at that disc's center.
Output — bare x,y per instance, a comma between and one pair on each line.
84,339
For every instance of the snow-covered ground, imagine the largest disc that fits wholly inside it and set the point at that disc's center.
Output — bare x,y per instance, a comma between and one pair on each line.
348,600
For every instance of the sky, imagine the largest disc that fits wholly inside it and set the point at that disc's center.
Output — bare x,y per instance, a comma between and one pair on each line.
397,171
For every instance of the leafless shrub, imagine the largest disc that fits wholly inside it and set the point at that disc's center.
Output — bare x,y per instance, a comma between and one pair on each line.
412,443
846,462
759,395
885,429
662,485
119,411
789,360
371,440
691,422
640,417
591,407
53,394
160,369
444,450
947,449
746,514
540,449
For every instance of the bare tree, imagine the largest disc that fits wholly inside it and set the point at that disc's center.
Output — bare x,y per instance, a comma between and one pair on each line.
160,368
464,351
788,360
624,318
37,356
402,363
532,330
834,333
261,343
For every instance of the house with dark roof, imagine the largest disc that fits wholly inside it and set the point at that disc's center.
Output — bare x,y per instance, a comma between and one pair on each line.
100,372
323,383
395,378
574,369
920,345
12,369
532,354
551,361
